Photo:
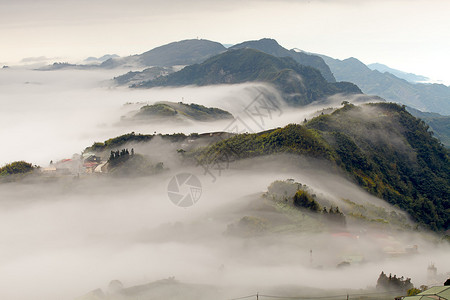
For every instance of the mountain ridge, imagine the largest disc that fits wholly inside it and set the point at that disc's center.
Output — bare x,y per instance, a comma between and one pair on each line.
271,46
421,96
185,52
299,84
413,78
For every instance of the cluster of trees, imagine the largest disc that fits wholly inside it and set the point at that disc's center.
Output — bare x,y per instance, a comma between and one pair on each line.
304,199
17,167
393,283
117,156
133,165
335,215
132,138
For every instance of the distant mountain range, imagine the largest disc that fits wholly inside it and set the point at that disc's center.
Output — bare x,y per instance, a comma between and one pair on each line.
424,97
299,84
188,52
103,58
400,74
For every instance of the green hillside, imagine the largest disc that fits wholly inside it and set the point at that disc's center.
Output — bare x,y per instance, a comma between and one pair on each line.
171,110
380,146
299,84
440,125
271,47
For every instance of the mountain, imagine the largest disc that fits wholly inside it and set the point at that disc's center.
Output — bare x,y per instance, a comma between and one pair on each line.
184,52
272,47
103,58
164,111
413,78
134,77
424,97
380,146
299,84
440,125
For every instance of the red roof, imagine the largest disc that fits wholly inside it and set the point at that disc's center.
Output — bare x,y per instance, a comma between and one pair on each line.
90,164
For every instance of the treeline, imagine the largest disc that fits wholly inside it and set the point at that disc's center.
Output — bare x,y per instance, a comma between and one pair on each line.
17,167
304,199
393,283
117,156
132,137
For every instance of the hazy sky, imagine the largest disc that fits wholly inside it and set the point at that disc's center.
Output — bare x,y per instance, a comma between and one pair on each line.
412,35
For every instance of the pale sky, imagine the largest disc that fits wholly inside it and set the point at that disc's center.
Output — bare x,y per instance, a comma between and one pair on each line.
410,35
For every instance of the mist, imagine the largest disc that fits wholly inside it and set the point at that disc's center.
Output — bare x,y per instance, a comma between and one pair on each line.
50,115
63,238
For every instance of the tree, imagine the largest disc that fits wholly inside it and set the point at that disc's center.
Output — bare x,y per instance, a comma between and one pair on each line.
413,292
304,199
392,283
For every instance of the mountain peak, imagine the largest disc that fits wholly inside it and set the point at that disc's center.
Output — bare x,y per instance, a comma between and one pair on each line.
271,46
299,84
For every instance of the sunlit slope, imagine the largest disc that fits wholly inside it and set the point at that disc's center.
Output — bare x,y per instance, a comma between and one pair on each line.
381,146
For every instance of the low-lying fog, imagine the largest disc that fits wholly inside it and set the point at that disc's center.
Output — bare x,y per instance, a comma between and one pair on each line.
49,115
62,239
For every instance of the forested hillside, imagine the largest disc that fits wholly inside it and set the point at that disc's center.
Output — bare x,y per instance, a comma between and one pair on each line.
381,146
